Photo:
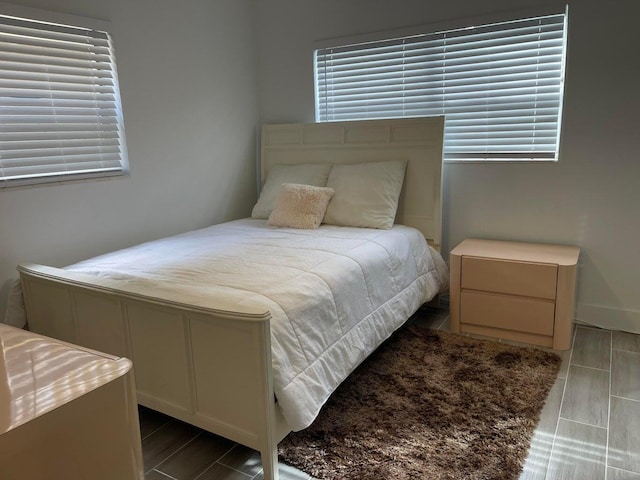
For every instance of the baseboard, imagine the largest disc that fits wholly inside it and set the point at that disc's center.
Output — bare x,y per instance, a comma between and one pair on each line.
611,318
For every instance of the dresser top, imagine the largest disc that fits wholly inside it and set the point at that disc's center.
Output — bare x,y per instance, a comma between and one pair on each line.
565,255
39,374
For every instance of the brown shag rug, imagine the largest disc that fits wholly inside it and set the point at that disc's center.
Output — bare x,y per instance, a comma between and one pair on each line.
429,405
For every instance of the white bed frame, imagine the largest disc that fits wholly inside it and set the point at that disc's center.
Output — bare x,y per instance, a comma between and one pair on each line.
202,363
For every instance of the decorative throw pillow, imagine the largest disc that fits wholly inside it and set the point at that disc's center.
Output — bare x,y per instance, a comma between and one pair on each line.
306,174
366,194
300,206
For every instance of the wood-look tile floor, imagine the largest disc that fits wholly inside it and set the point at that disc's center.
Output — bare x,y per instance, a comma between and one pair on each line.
589,428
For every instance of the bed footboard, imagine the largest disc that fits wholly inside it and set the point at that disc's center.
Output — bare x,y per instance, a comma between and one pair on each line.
203,365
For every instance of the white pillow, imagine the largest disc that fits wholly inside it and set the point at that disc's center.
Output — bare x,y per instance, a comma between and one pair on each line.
366,194
315,174
300,206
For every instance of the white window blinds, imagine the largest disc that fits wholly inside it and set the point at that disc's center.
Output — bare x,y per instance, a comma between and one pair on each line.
499,86
60,112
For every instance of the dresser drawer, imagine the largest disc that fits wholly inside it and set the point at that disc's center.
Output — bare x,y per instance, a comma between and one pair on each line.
515,278
509,313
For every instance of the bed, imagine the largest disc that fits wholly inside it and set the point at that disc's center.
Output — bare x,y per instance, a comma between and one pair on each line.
229,349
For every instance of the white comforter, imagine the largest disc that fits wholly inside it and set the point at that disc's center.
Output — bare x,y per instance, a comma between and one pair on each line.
334,293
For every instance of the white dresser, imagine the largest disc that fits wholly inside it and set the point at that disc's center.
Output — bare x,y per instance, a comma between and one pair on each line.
65,412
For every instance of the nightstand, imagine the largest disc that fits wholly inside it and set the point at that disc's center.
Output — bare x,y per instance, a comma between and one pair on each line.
516,291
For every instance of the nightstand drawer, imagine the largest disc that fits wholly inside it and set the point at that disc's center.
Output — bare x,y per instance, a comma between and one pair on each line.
515,278
509,313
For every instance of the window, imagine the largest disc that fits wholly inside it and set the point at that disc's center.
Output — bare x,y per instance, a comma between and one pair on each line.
499,85
60,111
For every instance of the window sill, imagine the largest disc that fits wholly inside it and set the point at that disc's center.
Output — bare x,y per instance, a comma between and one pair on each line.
7,185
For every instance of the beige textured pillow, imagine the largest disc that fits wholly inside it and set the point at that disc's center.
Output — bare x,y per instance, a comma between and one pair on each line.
300,206
306,174
366,194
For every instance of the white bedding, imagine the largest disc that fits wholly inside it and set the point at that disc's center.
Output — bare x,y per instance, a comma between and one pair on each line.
334,293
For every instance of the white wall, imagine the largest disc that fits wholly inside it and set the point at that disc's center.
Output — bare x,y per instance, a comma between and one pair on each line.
187,78
589,198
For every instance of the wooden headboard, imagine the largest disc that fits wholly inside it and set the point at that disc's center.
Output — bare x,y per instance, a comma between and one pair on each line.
417,140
